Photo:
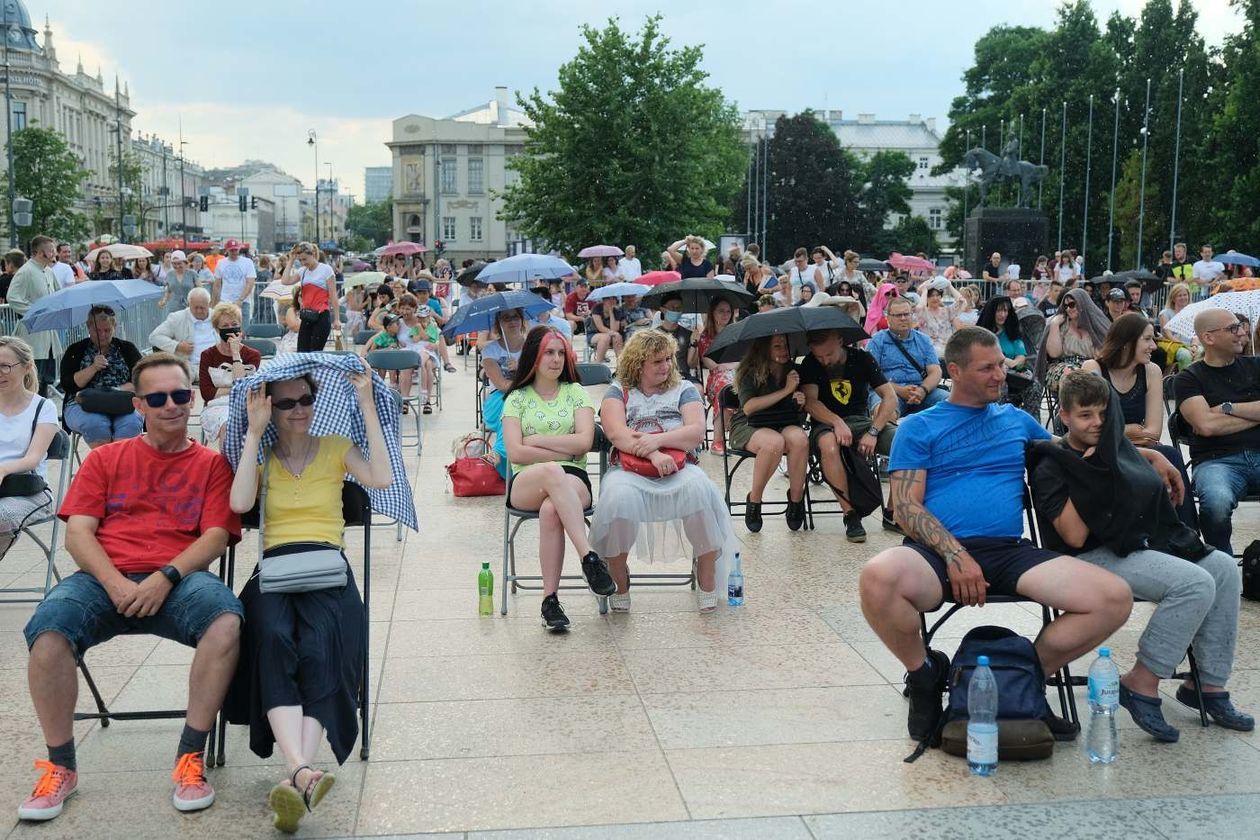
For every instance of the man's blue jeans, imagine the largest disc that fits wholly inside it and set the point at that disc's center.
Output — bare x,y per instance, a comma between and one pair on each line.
1219,484
933,397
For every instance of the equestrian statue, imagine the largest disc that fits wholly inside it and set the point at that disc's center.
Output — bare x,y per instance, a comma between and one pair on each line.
1008,167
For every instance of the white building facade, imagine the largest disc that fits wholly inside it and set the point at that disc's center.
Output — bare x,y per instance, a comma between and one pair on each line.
916,137
445,173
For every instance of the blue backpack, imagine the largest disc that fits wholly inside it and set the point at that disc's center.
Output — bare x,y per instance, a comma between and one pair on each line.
1023,731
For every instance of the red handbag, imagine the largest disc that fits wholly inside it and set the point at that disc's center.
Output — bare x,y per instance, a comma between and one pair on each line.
644,466
474,475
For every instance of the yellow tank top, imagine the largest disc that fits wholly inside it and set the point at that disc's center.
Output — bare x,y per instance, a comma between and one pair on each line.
306,509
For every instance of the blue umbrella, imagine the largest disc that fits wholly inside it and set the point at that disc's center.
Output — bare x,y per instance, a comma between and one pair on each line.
68,307
1235,258
525,267
619,290
481,313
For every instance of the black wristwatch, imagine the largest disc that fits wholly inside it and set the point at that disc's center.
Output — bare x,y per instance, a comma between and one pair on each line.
1227,408
172,574
874,432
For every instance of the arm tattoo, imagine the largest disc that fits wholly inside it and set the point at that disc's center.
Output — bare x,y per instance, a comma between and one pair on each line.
919,524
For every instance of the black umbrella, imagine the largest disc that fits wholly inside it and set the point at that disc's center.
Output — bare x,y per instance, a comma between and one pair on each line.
733,342
697,293
1149,281
868,264
469,274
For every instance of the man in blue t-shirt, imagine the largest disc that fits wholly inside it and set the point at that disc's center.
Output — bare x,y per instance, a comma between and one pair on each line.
957,478
908,361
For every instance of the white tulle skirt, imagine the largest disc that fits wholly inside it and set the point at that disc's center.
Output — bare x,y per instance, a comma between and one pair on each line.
663,520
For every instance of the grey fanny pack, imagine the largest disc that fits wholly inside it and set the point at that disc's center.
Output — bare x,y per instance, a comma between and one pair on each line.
300,571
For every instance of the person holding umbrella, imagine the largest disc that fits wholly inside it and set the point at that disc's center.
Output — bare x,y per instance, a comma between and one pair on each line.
770,424
107,268
99,363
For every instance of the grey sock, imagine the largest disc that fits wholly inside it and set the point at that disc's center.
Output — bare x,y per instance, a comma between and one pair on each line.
192,740
64,755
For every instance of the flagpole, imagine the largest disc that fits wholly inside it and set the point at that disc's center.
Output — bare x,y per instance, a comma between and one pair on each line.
1172,225
1062,173
1041,161
1115,146
1089,150
1146,137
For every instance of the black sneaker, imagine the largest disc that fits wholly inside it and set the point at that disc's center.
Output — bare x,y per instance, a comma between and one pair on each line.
853,530
752,514
890,524
595,570
553,614
925,688
795,514
1062,729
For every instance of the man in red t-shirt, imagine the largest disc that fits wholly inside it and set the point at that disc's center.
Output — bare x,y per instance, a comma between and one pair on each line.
145,517
576,307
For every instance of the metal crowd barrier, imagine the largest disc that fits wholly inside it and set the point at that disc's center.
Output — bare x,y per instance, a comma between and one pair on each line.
135,323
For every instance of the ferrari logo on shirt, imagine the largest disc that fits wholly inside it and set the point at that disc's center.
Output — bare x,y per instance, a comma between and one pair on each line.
841,389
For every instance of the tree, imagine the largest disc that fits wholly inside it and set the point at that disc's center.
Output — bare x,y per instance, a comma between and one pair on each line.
48,173
632,147
1234,146
373,222
812,188
884,192
134,202
911,235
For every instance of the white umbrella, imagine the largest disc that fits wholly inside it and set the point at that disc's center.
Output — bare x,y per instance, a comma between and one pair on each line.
1240,303
276,290
364,278
121,251
616,290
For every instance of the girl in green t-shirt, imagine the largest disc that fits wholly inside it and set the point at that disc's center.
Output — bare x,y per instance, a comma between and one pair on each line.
548,427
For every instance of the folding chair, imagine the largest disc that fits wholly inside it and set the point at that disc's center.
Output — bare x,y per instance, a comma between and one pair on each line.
591,373
727,399
58,450
216,747
401,360
511,580
356,511
265,347
271,331
364,336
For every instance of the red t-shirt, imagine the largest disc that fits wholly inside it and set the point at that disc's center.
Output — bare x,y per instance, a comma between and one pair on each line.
151,505
573,306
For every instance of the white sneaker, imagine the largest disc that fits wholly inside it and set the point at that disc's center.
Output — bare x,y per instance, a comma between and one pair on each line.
619,603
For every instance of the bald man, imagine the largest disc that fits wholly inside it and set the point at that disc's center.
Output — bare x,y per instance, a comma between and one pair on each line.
1218,397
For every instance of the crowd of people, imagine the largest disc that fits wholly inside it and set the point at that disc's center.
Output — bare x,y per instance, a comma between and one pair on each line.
946,384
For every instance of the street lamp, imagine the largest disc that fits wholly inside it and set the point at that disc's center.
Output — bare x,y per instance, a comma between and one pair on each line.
332,219
313,141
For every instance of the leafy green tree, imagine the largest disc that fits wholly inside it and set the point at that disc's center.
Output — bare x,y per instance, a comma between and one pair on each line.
372,222
633,147
48,173
911,235
134,201
885,191
1235,142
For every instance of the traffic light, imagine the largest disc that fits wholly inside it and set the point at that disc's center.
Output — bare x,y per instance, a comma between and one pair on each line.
243,204
253,202
205,204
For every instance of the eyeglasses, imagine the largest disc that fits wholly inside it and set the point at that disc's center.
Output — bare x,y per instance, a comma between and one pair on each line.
7,369
157,399
306,401
898,314
1235,328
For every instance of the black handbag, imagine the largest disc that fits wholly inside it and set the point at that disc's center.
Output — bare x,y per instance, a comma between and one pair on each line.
106,401
25,483
308,316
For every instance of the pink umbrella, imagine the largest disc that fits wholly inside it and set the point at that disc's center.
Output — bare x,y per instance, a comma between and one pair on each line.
600,251
902,262
656,278
406,249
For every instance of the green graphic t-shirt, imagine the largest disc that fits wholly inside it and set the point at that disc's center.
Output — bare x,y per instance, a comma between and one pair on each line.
540,417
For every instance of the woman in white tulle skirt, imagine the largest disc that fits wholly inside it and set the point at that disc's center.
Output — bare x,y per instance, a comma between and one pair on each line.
653,415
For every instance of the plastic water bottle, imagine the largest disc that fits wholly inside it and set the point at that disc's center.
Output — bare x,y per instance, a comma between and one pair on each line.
485,590
1104,699
735,584
982,727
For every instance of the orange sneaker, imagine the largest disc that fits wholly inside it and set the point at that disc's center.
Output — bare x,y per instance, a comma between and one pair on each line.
192,791
50,794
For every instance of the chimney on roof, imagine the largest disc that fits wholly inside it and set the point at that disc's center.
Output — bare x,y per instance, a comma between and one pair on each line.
931,124
866,119
501,106
916,118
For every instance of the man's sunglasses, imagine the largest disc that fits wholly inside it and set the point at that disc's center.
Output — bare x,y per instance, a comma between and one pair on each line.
157,399
287,404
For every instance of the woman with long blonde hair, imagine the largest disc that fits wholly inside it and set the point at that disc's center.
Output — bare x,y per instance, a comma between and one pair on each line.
28,423
655,414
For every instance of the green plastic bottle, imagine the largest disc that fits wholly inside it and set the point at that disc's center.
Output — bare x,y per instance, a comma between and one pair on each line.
485,588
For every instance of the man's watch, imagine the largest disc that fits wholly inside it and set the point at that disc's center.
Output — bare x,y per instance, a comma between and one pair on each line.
1227,408
874,432
172,574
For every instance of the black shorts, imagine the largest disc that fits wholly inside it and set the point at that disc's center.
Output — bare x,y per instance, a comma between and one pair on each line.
1002,559
569,469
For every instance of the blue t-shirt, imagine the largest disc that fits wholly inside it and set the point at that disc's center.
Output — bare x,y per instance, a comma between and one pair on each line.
975,463
894,364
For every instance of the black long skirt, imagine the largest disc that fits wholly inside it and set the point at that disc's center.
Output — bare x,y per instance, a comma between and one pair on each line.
300,649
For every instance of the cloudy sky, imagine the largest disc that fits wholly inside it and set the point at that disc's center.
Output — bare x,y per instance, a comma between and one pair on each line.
248,79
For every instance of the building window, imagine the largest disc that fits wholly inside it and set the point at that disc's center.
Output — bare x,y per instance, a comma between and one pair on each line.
935,218
19,116
448,229
448,176
476,176
474,148
923,163
448,148
474,228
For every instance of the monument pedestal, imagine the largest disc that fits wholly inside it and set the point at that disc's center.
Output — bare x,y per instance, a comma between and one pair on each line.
1019,234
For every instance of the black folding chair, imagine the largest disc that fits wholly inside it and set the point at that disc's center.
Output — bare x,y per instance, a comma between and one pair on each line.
1179,433
727,399
58,450
270,331
265,346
